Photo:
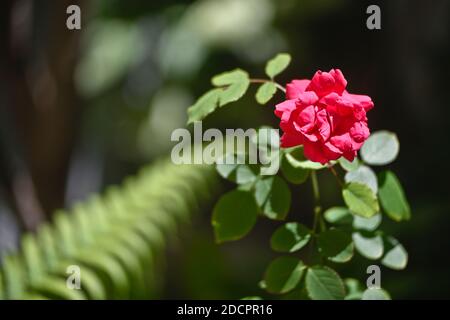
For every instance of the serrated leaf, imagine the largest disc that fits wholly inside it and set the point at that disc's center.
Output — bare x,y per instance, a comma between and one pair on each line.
380,148
338,215
324,283
283,274
277,64
273,196
369,247
363,175
360,199
290,237
234,215
336,245
265,92
392,197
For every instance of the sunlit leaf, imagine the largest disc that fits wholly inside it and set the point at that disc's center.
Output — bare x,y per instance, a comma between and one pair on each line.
283,274
290,237
380,148
360,199
265,92
392,197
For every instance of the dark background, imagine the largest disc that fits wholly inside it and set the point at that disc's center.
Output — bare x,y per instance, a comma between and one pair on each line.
80,110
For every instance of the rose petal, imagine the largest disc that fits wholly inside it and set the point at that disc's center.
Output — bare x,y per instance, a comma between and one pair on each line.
290,139
295,87
323,125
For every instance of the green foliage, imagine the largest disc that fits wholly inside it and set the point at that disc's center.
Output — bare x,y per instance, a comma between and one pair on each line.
230,87
364,175
360,199
347,165
396,257
292,171
336,245
375,294
370,247
277,65
234,215
392,197
338,215
323,283
283,274
335,235
117,240
290,237
265,92
381,148
273,195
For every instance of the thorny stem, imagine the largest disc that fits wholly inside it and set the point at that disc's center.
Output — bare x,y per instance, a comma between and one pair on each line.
279,86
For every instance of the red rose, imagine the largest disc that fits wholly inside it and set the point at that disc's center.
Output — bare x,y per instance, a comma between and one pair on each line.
323,117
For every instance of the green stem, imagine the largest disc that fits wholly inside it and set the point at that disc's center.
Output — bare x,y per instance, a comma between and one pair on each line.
279,86
318,221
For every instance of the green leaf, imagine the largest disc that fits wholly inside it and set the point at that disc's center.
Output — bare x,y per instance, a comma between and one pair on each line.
396,257
336,245
375,294
354,289
295,175
363,175
368,224
347,165
283,274
265,92
206,104
235,85
234,215
229,167
360,199
392,197
272,194
290,237
369,247
324,283
338,215
277,64
380,148
297,159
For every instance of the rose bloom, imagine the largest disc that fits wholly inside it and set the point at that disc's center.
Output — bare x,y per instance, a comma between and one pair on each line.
323,117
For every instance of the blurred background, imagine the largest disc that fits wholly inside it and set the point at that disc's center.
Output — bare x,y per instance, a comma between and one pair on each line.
82,109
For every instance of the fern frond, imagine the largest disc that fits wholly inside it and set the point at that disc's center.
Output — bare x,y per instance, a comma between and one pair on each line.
117,240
